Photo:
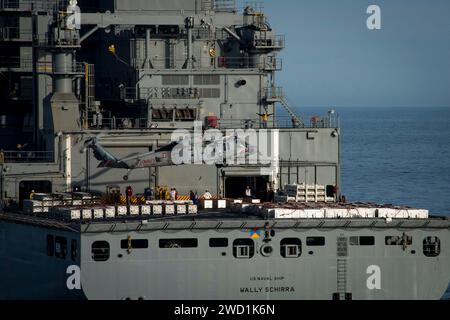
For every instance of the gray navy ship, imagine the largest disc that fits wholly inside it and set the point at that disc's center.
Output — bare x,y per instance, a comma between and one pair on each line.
94,205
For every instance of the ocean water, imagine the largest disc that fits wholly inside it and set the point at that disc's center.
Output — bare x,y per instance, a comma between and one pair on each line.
395,156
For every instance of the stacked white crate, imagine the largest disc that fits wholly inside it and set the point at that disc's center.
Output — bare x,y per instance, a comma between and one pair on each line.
98,213
283,199
146,210
110,212
221,204
121,211
134,210
66,213
307,193
86,214
181,209
192,209
32,206
169,209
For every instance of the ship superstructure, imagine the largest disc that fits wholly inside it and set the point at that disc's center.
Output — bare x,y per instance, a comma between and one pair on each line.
92,93
134,73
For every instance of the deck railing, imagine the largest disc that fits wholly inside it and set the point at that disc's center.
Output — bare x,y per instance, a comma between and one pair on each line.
26,156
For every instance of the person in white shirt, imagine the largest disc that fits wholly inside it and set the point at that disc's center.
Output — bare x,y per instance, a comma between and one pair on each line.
248,193
207,195
173,194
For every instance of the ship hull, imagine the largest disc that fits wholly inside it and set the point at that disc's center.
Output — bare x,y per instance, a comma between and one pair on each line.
338,268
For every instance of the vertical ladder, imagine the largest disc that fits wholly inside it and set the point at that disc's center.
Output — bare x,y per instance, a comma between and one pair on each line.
342,278
341,264
172,63
90,87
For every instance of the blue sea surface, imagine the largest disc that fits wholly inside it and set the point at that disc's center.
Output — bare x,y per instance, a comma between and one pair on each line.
395,156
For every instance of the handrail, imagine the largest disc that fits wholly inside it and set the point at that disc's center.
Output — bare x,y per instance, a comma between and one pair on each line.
27,156
281,122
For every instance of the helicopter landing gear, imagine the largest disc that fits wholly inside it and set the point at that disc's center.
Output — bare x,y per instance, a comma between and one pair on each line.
127,176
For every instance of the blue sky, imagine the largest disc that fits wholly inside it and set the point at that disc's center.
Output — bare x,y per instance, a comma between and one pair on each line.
332,59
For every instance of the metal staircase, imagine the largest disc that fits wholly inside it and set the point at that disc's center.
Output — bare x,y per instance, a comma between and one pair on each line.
295,119
276,94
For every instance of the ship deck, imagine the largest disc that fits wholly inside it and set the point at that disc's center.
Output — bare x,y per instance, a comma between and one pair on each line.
220,220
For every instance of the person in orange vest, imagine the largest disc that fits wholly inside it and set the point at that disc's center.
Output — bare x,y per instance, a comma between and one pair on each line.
265,118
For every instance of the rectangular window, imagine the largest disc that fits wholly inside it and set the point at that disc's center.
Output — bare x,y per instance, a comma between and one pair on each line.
366,241
218,242
178,243
134,244
362,241
315,241
60,247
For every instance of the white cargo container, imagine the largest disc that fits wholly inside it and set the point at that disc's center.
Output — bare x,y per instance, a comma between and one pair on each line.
86,214
208,204
98,213
192,209
110,212
68,213
121,211
146,210
221,204
169,209
32,206
42,197
157,209
134,210
181,209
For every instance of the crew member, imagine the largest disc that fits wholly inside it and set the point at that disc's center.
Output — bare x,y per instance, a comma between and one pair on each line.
173,194
207,195
129,194
265,118
248,193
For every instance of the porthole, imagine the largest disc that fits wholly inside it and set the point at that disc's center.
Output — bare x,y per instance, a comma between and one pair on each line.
266,250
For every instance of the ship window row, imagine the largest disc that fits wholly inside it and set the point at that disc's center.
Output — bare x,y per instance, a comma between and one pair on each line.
57,246
242,248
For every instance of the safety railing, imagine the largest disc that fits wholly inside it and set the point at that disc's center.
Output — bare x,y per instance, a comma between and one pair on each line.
100,123
26,5
273,93
281,122
268,64
224,5
27,156
275,42
14,33
26,65
251,6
